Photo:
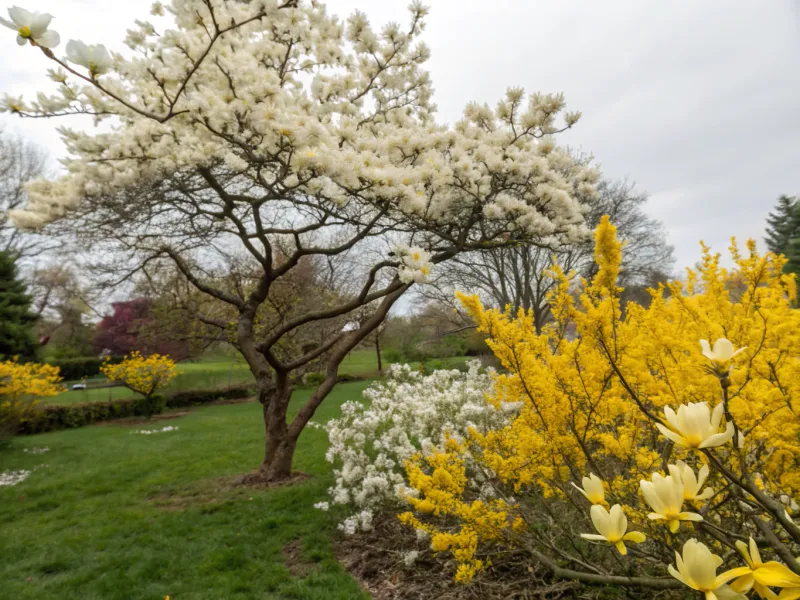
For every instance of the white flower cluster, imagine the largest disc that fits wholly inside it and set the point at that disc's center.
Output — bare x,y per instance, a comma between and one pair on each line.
13,477
309,107
152,431
404,414
359,522
36,450
415,263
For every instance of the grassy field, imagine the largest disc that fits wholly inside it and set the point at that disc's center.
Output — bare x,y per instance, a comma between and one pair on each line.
108,514
222,371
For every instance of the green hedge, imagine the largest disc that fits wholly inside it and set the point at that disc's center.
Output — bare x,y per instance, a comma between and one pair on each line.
68,416
192,397
79,368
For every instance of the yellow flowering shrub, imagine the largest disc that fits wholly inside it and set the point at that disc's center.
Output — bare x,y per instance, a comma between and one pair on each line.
144,375
626,406
20,385
442,494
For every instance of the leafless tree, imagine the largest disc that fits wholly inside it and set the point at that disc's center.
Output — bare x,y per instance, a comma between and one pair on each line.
20,161
518,275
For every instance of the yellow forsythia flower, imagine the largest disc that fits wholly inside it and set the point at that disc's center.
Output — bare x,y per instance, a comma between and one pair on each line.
593,383
145,375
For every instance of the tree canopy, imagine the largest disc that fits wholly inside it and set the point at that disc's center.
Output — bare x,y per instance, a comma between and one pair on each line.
265,134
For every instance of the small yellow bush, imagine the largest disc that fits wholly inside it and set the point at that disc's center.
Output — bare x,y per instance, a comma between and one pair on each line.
144,375
20,385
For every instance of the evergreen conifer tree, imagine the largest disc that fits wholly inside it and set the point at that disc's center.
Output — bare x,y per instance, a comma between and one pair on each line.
16,320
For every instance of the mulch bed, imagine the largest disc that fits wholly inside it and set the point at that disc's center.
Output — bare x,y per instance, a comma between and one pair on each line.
375,559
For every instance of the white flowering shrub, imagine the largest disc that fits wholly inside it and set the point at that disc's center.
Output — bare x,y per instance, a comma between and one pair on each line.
406,413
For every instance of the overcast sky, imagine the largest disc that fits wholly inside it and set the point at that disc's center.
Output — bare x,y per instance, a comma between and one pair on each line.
698,102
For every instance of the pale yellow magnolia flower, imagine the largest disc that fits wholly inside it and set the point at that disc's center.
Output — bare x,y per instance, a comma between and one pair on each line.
697,568
665,497
763,575
592,489
691,482
695,426
723,351
31,26
612,527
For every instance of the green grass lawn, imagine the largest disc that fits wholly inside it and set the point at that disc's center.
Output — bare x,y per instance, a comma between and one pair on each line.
113,515
223,371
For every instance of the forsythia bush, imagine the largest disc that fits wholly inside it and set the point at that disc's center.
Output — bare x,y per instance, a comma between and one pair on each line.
666,434
144,375
20,385
408,414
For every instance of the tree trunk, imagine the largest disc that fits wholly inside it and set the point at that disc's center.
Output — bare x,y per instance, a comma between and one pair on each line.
278,455
378,353
280,444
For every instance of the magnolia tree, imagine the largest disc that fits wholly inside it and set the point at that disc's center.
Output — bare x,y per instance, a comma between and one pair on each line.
240,126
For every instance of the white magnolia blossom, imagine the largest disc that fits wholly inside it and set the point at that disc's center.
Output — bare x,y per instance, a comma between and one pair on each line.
406,413
342,114
31,26
95,58
415,263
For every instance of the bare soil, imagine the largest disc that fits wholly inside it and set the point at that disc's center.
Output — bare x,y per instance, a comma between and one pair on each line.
257,480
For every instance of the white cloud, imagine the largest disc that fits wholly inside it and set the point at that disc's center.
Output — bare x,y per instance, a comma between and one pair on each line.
694,101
